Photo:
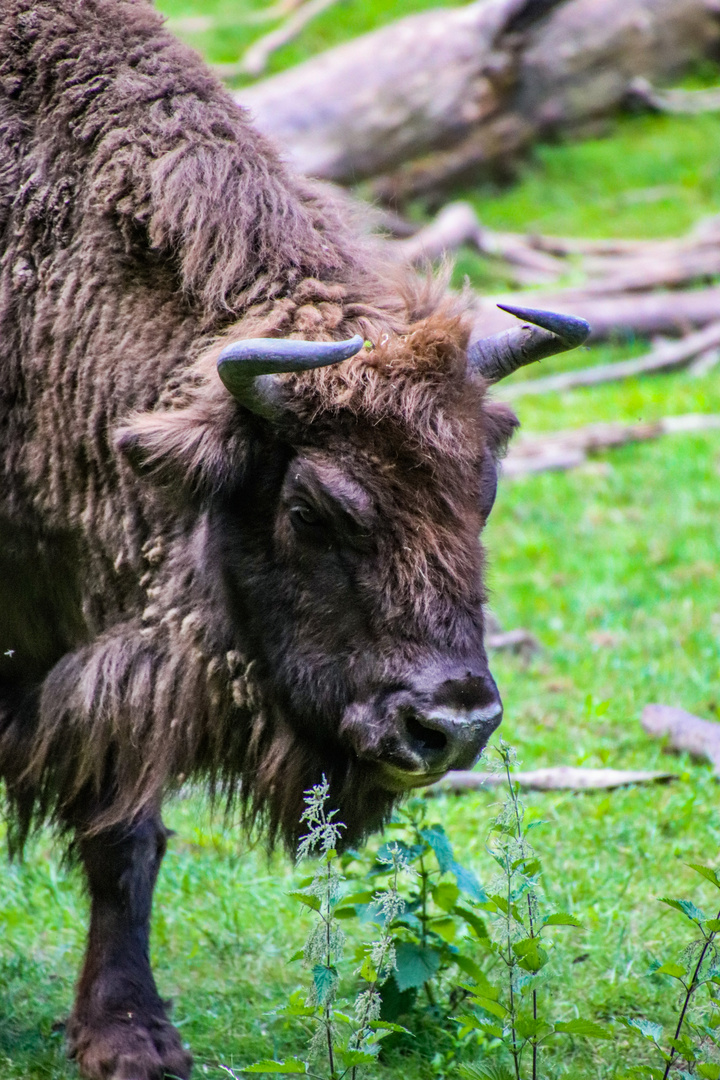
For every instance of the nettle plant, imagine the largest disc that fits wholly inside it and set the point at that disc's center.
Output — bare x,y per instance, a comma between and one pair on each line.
693,1048
340,1042
465,965
504,1005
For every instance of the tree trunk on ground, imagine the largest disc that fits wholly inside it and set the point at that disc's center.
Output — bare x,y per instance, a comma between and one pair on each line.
668,356
640,315
456,93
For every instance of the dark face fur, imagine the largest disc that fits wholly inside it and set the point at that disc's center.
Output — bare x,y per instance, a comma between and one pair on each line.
355,658
352,572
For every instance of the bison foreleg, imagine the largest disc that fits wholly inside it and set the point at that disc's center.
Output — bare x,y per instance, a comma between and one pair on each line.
119,1028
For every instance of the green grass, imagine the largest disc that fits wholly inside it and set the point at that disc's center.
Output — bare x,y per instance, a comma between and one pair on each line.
613,566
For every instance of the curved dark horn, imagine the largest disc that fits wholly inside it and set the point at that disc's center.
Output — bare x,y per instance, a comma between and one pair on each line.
497,356
248,369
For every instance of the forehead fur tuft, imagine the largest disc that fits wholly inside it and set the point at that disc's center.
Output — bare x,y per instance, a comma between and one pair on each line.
416,381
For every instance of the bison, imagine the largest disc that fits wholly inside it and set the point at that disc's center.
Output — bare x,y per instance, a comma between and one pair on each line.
245,466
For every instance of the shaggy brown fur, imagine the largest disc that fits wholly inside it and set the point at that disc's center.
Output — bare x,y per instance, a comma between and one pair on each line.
159,618
142,215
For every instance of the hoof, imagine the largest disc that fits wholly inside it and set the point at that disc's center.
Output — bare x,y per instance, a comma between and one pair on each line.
126,1047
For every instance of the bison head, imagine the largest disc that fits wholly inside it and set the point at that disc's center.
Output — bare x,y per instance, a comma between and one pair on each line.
343,549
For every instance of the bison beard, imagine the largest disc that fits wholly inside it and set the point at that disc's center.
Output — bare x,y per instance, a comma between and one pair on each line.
250,581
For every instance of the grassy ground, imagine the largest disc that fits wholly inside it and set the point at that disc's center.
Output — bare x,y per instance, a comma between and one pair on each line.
613,566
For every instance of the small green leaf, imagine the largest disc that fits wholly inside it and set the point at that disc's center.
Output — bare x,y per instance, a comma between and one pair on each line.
445,895
708,1071
415,964
384,1025
685,906
482,986
358,1057
309,901
706,872
468,1022
530,953
296,956
474,921
468,883
441,846
345,913
445,927
685,1046
713,925
363,897
530,867
367,971
292,1065
647,1028
296,1006
583,1027
529,1027
675,970
325,979
493,1007
468,966
561,918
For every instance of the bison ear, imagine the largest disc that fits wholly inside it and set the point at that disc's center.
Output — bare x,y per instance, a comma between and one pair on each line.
186,450
500,425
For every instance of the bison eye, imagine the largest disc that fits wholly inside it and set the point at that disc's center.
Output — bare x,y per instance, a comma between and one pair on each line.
304,516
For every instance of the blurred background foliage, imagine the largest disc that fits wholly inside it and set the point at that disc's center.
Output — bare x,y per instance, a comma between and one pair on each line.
613,566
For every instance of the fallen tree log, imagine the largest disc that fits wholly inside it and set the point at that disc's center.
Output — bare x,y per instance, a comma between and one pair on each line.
453,93
562,450
637,265
558,778
457,224
642,315
668,356
684,732
519,641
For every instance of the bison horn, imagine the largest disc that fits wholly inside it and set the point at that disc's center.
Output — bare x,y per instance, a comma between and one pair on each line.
497,356
248,369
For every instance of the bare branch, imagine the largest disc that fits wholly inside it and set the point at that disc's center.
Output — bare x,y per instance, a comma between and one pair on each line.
677,102
562,450
256,58
666,357
559,778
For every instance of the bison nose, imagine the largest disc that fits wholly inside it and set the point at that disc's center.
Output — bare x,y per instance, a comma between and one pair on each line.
452,732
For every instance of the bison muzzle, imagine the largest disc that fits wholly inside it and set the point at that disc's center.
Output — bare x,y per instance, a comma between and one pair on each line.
245,468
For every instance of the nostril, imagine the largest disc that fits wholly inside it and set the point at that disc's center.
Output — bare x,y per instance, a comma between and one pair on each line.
425,739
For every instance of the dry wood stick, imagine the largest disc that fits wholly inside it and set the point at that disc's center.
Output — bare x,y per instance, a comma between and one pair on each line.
666,357
458,224
559,778
519,640
255,60
705,362
562,450
679,102
684,732
668,269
